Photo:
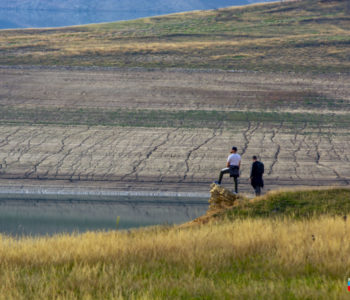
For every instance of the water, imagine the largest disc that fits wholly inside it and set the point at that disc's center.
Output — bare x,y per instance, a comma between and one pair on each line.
17,14
45,215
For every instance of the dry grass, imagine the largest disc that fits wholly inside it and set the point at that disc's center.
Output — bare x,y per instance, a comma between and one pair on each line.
268,259
264,258
295,35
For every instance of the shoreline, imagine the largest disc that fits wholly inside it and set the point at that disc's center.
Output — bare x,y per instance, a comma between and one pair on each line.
93,194
146,192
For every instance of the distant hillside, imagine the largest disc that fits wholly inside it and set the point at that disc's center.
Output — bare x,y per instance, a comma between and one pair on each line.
299,36
120,4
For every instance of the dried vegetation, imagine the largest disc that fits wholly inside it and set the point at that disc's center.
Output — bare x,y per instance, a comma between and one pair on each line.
297,36
265,258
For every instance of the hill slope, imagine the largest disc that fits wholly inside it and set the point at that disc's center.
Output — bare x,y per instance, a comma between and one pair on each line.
307,35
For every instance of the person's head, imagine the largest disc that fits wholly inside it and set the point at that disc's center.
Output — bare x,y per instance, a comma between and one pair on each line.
254,158
234,150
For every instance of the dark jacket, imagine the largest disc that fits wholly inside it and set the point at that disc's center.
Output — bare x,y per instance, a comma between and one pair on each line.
234,171
256,174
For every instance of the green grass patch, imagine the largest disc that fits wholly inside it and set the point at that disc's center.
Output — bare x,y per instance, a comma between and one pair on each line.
299,204
162,118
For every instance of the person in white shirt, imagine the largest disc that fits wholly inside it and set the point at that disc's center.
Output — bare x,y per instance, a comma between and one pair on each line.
232,167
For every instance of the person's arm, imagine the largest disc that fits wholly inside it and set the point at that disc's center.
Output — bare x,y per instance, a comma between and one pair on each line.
239,165
228,164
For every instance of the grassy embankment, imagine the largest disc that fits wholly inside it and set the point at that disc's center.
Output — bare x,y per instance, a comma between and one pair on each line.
293,256
309,35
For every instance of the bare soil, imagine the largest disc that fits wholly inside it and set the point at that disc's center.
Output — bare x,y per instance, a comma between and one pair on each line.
174,90
166,157
170,158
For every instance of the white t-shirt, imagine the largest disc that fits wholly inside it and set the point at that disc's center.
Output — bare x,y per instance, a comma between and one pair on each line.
234,159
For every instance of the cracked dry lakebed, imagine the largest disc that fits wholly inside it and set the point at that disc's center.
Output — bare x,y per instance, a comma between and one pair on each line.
162,131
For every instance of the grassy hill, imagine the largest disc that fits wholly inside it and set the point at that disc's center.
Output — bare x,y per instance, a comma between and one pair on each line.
250,258
308,35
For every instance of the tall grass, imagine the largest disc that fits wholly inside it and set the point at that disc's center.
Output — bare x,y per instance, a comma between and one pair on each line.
240,259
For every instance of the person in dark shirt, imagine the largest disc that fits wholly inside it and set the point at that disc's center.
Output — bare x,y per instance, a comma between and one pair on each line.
256,176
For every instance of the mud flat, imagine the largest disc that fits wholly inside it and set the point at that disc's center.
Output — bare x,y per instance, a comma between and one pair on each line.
168,158
169,130
173,89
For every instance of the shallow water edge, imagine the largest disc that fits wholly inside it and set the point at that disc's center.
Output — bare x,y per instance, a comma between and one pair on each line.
49,211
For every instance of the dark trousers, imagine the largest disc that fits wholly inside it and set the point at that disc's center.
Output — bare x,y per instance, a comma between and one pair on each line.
227,171
257,190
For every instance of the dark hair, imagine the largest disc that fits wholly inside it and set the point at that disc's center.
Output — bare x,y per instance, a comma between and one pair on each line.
234,149
255,157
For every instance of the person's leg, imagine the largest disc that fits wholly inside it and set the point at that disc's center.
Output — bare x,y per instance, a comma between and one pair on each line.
223,171
257,190
235,179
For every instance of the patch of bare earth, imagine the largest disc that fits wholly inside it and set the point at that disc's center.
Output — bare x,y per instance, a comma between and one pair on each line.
172,157
174,90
